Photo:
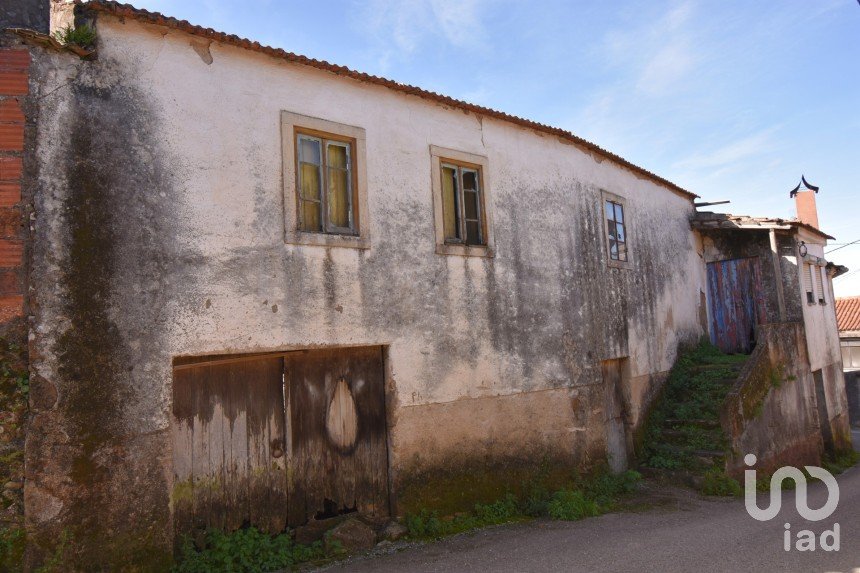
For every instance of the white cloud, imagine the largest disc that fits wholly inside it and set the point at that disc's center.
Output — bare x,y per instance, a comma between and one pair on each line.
400,27
751,146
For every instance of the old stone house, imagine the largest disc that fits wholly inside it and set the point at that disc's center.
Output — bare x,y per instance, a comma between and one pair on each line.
264,289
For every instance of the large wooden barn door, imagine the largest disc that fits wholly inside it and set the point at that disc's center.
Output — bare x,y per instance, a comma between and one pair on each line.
338,452
736,303
229,445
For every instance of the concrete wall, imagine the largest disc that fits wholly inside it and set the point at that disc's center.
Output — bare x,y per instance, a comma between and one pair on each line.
159,233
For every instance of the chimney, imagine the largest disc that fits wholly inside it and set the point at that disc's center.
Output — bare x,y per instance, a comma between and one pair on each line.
804,200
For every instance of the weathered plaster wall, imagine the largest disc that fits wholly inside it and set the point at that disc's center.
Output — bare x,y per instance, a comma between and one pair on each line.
822,338
160,233
771,412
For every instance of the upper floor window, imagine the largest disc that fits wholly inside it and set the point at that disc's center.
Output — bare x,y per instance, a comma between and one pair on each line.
325,182
808,282
819,284
617,230
460,203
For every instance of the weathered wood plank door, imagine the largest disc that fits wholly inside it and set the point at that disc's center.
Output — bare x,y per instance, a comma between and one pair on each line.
337,440
736,303
229,445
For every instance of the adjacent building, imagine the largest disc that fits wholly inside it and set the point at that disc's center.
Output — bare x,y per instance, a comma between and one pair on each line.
848,319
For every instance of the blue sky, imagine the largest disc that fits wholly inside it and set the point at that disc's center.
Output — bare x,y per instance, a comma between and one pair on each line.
729,99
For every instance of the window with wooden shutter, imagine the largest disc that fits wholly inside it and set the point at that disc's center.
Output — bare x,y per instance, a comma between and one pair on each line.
807,283
819,284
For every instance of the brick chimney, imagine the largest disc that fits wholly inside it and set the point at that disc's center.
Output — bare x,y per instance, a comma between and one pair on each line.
804,200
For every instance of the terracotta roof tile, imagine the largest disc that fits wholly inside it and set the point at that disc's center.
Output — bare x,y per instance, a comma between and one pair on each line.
128,11
848,313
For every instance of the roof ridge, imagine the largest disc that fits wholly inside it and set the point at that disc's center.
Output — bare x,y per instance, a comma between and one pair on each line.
127,10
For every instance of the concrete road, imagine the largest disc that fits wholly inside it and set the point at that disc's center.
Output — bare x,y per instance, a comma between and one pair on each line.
684,532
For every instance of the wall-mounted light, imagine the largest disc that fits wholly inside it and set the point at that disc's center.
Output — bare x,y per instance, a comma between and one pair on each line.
802,248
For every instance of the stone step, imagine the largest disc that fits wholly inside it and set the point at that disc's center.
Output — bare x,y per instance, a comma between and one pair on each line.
669,422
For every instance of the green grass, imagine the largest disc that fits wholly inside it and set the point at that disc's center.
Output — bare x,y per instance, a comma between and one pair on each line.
245,551
836,464
586,497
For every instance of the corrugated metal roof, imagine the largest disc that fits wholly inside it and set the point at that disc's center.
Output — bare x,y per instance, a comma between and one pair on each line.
129,11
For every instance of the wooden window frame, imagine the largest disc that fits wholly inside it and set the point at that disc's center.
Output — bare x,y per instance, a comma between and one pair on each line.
607,197
440,156
293,126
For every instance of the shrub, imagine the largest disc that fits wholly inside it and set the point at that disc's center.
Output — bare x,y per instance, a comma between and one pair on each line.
716,482
244,551
570,505
83,36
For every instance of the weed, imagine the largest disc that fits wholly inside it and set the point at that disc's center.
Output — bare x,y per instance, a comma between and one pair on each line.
838,463
12,542
716,482
57,561
244,551
570,505
83,36
585,497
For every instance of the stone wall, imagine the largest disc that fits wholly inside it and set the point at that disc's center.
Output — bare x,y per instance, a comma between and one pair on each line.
771,411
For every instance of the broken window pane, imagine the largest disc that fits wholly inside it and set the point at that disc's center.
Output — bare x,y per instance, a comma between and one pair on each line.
622,252
471,205
617,231
470,180
473,236
450,205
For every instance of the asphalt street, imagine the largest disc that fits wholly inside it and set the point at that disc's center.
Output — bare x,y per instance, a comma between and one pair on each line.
678,531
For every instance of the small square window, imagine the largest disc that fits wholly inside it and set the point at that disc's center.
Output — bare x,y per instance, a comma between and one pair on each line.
460,203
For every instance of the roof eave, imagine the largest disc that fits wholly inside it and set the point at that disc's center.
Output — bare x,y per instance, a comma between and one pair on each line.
128,11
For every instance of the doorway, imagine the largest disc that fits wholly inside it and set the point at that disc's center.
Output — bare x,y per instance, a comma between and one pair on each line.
615,419
278,439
